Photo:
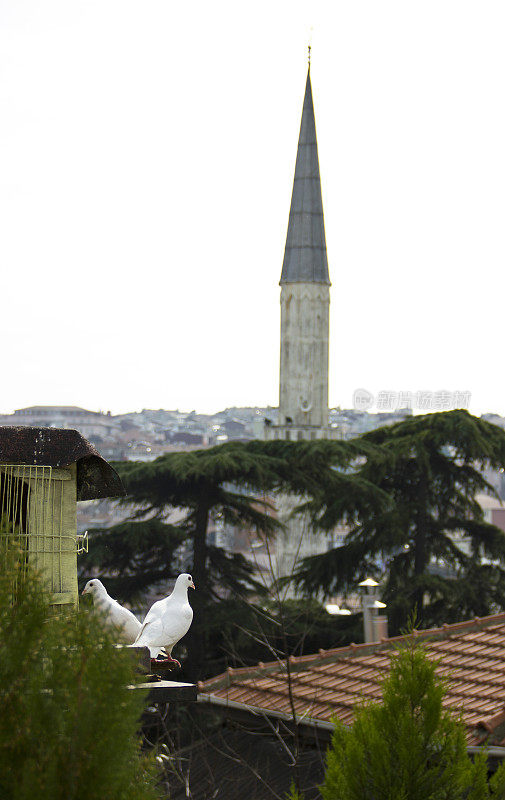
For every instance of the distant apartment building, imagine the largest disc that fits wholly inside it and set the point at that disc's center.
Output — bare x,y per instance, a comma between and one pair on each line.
91,424
351,422
493,509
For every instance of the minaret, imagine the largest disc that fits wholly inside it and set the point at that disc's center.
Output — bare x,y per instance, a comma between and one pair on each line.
305,299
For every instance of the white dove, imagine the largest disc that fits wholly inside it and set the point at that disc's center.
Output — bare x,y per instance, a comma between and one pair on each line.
116,616
167,621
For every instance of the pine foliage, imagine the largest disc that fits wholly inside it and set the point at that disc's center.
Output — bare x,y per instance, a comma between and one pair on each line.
430,468
407,747
68,724
231,484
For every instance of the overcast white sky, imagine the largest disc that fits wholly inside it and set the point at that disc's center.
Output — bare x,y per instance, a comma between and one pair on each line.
146,161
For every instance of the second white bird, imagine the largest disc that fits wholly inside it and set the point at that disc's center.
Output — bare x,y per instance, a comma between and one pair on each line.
116,615
168,620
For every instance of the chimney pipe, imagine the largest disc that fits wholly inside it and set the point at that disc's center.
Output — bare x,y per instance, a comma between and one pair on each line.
370,605
380,623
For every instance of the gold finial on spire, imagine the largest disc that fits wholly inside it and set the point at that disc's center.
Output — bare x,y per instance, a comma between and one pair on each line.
308,55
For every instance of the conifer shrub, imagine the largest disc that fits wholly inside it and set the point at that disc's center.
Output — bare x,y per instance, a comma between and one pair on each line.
68,724
408,747
293,793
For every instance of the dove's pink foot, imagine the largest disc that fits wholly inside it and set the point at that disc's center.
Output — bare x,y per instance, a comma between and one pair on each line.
164,662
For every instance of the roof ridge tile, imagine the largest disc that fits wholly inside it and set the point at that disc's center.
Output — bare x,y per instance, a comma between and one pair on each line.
353,650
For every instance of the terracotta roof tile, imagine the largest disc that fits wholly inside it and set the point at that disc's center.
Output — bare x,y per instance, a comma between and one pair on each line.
470,655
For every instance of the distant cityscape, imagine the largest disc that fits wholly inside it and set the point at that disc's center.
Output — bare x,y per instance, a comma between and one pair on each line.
147,434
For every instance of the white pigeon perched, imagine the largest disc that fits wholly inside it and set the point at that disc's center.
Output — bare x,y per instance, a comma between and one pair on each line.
167,621
116,616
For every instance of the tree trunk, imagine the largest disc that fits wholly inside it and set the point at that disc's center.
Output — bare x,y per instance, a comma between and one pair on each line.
421,554
196,640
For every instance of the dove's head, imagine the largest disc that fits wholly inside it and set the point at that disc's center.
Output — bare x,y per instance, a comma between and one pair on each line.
95,588
184,582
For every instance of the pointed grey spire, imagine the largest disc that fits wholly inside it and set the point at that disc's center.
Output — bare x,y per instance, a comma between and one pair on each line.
305,258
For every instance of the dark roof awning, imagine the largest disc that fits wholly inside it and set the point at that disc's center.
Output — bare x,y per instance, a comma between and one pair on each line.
60,447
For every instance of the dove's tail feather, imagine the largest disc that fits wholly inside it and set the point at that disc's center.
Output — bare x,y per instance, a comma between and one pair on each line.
155,651
158,651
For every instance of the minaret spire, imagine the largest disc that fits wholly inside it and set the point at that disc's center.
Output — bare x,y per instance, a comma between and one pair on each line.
305,305
305,297
305,257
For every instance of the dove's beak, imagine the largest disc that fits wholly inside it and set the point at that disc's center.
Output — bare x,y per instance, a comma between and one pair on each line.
192,585
85,591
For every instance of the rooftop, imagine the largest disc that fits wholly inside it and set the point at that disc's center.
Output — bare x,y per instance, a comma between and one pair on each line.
47,410
59,447
470,655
